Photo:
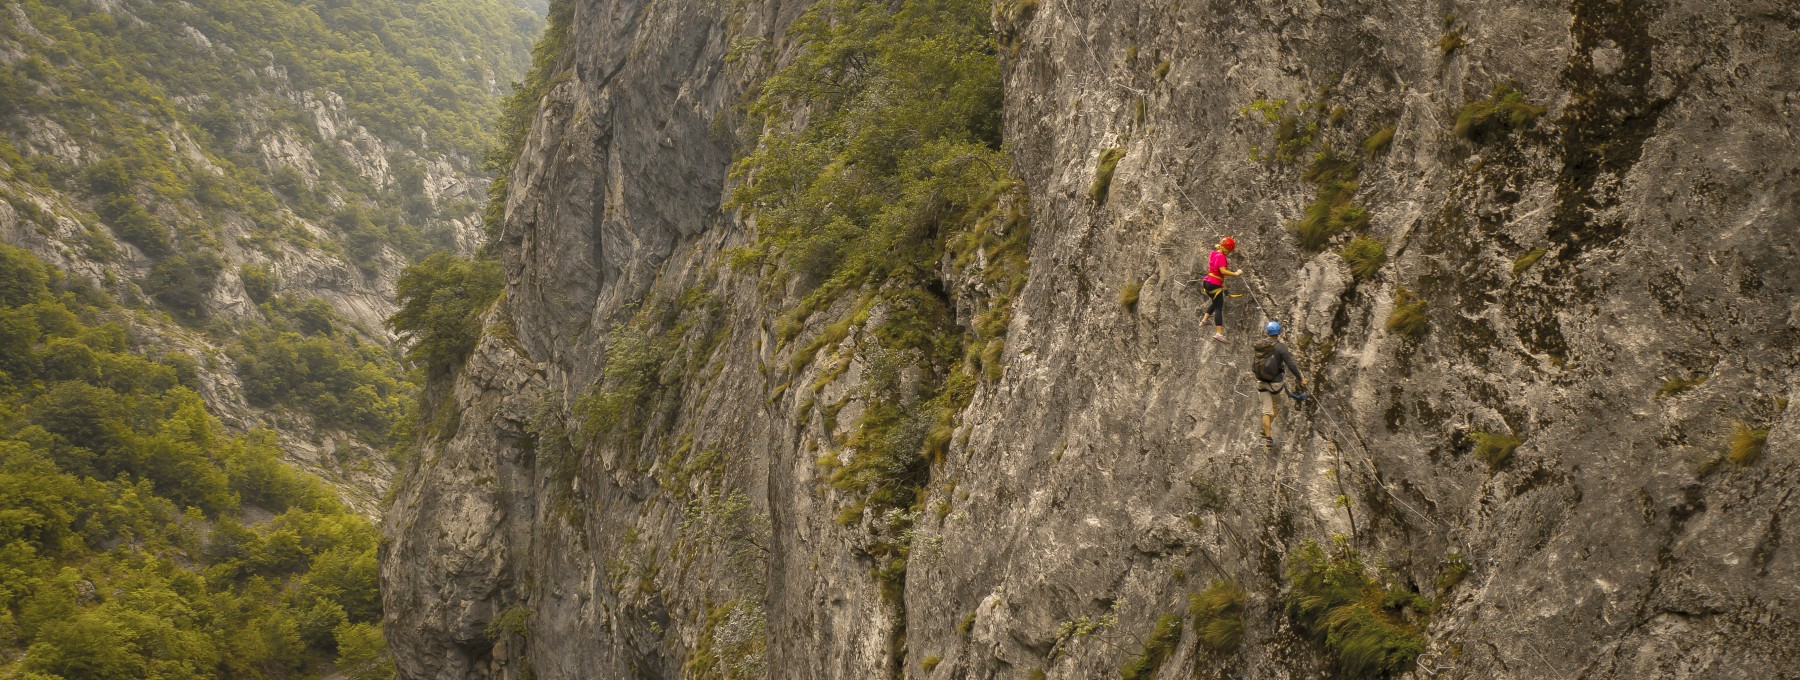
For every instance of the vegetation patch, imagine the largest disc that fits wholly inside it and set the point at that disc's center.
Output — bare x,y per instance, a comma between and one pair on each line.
1526,261
1294,128
1332,210
663,343
1503,112
122,497
1334,177
1157,649
1676,386
1747,444
519,109
1218,614
1075,629
1378,142
1409,318
1493,448
1128,296
930,663
1451,41
733,644
442,300
878,153
513,621
307,358
1371,631
1103,175
1451,571
1365,255
1010,19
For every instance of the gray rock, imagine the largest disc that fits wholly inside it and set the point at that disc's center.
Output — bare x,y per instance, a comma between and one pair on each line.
1114,469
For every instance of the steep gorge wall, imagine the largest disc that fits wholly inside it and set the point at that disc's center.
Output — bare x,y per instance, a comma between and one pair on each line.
1640,231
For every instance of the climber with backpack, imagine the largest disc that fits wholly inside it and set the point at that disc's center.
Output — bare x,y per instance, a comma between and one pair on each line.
1217,268
1271,360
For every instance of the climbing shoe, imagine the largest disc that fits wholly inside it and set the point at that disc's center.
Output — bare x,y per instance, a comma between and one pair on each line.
1219,337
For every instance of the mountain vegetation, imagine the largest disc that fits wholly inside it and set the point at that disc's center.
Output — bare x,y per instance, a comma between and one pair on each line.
139,539
206,206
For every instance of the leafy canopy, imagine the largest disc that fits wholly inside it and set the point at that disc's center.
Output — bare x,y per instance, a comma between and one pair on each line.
441,302
124,548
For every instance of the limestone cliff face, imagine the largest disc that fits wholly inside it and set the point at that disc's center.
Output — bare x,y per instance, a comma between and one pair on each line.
1622,228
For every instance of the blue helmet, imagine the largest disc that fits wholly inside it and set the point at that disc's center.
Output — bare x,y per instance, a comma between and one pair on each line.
1274,328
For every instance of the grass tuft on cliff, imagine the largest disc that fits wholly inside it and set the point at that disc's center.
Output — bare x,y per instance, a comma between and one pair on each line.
1218,614
1525,262
1409,318
1378,142
1367,628
1451,571
1494,448
1365,255
1451,41
1103,175
1332,210
1503,112
1676,386
1747,444
1157,649
1128,296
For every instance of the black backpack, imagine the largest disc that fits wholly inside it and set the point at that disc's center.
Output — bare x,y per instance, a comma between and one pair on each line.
1265,364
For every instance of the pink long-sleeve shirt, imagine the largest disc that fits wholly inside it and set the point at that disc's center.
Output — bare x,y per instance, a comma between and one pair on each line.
1214,263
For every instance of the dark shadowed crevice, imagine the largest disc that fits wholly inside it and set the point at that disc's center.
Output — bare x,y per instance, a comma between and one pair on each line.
1611,113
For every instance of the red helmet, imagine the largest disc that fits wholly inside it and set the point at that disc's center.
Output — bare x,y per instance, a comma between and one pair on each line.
1228,243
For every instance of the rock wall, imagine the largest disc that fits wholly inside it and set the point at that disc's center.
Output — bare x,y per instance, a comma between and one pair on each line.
1622,228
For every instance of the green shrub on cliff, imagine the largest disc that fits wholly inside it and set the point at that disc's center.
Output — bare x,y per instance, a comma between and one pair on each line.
1103,175
1365,255
1157,649
902,135
1218,614
442,299
1494,448
1364,625
1409,318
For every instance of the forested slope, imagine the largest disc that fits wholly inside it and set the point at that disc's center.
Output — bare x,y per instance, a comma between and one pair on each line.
206,207
139,538
258,172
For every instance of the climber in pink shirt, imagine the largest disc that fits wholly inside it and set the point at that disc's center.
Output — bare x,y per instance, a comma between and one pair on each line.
1217,268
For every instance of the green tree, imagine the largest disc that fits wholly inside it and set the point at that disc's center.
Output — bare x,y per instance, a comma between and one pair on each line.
441,302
